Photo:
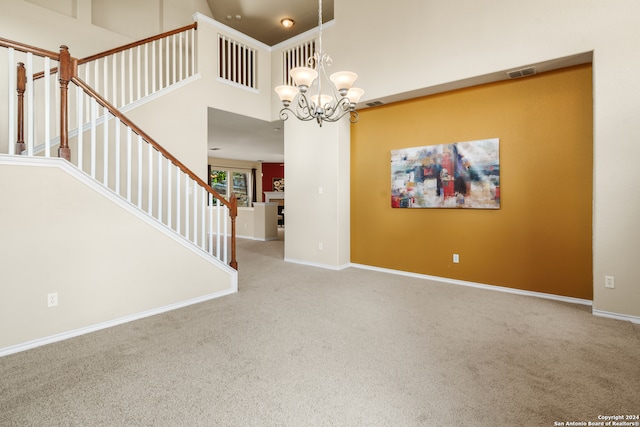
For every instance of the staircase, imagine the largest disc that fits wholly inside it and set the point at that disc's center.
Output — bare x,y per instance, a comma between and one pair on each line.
61,106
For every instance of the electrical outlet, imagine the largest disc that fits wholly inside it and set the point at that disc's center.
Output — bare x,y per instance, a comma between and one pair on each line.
609,282
320,246
456,258
52,299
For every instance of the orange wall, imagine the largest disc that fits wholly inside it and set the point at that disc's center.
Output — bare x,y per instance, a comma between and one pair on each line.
540,238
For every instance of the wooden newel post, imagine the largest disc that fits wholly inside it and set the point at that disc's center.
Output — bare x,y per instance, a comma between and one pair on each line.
66,71
233,212
21,87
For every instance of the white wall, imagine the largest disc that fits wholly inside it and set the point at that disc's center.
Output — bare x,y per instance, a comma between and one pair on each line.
434,43
317,201
105,261
439,42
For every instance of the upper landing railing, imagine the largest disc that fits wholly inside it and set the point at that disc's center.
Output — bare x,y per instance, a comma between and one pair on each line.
101,141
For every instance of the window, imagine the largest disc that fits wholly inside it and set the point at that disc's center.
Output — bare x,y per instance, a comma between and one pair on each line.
241,188
238,184
219,181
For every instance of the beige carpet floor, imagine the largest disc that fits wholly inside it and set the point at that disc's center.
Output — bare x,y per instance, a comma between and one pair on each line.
304,346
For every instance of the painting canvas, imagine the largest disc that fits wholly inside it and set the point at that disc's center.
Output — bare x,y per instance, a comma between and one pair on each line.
458,175
278,184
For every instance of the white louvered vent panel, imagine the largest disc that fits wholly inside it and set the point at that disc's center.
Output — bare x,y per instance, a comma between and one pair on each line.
237,63
297,56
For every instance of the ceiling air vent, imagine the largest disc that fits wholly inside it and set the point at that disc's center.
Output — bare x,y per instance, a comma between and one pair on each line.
529,71
374,103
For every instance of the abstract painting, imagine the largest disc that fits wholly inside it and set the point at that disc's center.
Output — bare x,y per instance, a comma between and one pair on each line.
457,175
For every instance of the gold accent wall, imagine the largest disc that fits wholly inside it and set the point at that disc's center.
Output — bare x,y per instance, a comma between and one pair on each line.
541,237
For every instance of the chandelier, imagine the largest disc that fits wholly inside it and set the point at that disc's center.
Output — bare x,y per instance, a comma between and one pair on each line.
307,97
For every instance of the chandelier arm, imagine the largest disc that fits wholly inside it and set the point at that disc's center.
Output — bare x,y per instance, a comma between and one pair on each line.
341,108
334,118
284,115
304,107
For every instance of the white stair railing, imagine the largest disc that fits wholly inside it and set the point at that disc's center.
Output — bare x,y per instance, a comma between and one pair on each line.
118,154
105,144
138,70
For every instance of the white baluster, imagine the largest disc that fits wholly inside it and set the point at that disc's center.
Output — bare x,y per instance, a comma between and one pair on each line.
180,55
195,212
138,72
169,196
210,217
11,109
123,82
96,70
203,207
30,114
129,134
186,206
105,148
94,113
173,59
117,166
146,69
80,112
139,172
225,211
233,62
47,109
130,77
160,207
150,191
193,52
153,67
160,65
218,227
114,79
254,70
105,77
178,204
222,67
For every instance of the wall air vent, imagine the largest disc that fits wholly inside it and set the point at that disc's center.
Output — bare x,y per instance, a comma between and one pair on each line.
529,71
375,103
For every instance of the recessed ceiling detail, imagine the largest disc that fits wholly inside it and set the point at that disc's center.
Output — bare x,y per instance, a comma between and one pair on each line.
260,19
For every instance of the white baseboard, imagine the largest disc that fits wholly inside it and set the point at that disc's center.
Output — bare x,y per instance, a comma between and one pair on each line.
317,264
478,285
92,328
617,316
259,239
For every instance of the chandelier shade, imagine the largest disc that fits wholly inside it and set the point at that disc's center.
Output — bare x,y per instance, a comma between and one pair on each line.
303,77
287,93
354,94
307,101
343,80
